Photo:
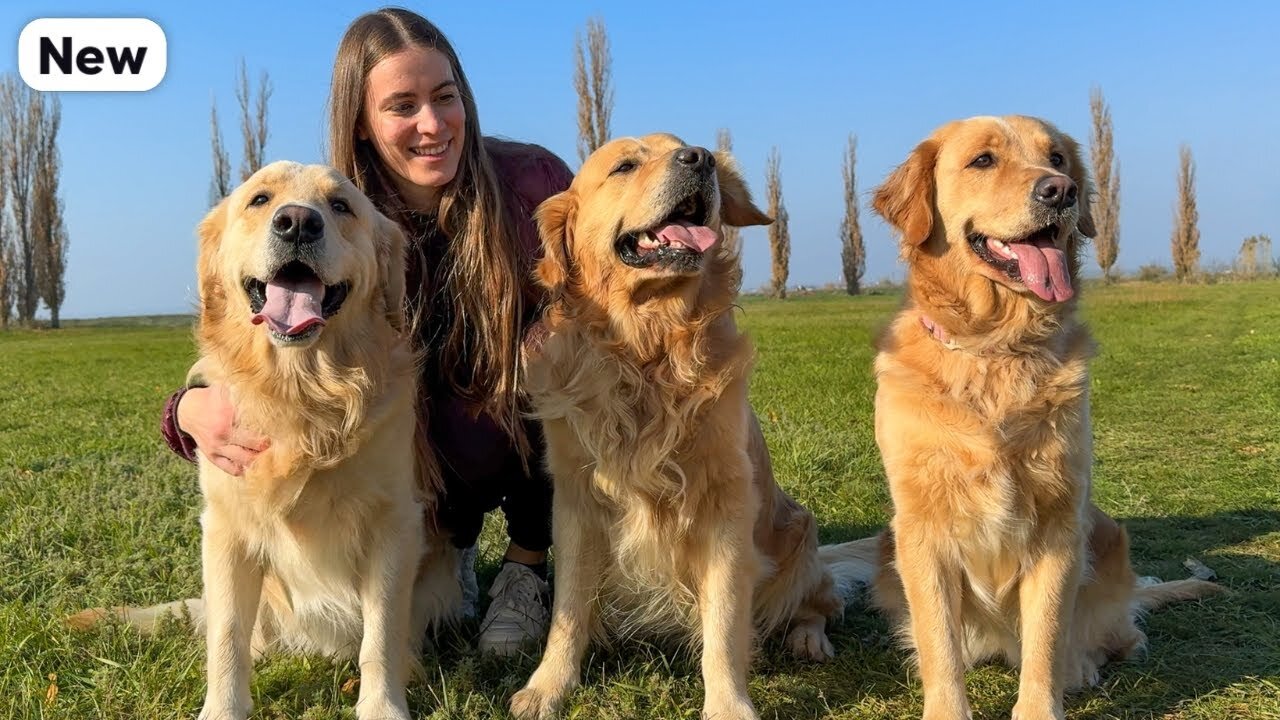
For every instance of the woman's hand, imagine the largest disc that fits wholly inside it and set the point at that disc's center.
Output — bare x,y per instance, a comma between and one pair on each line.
207,415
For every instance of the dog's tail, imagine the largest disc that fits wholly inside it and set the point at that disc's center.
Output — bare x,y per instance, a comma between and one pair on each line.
1151,597
852,564
145,619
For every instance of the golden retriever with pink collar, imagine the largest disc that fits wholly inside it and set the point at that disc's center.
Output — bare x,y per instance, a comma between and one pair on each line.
982,418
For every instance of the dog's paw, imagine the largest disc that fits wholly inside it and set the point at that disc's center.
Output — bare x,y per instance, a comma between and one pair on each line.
729,709
1083,675
382,709
940,709
1039,710
535,704
212,711
947,714
810,643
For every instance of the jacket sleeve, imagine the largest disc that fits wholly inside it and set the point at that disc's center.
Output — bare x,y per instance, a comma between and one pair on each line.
550,176
529,174
179,442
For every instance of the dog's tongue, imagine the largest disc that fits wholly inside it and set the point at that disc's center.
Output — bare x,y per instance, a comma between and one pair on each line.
694,237
1044,269
292,306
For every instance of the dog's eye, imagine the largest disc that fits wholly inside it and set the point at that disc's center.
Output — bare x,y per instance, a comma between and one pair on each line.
259,199
340,206
625,166
1056,159
985,160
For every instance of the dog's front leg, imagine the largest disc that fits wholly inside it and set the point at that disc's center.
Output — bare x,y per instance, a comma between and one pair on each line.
1047,597
232,589
932,588
725,597
580,549
386,599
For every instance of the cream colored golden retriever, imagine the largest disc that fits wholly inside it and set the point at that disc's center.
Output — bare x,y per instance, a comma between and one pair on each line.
667,520
320,547
982,417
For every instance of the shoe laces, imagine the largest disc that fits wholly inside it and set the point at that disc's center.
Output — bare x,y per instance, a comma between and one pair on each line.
519,586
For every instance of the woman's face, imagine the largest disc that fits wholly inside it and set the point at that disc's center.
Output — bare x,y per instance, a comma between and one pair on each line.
415,118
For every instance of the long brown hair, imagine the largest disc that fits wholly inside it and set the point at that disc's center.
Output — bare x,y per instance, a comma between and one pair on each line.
478,352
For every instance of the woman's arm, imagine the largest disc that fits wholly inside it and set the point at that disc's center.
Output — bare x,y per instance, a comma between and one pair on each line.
177,440
204,419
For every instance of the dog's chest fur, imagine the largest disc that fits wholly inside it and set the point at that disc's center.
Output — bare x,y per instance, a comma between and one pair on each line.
634,429
1009,448
310,529
632,421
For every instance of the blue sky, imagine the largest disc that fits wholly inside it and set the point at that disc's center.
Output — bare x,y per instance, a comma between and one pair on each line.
800,76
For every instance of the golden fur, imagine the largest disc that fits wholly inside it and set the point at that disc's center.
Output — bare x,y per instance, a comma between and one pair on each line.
982,418
322,541
667,520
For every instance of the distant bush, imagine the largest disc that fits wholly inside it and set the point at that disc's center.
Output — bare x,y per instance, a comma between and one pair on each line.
1152,272
1255,258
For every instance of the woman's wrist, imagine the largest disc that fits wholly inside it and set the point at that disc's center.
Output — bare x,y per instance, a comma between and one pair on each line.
177,408
178,440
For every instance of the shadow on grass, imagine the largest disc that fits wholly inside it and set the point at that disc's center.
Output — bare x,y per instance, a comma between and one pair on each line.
1195,649
1198,648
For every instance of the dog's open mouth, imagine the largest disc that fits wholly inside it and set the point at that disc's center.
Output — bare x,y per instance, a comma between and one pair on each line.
1035,261
677,242
294,303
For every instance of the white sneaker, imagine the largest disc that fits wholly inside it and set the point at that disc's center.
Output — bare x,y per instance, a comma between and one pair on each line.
467,579
518,613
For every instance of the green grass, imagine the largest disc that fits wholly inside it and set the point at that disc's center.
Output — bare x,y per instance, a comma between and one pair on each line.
1186,391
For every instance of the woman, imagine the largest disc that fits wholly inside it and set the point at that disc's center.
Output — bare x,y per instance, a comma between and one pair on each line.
403,127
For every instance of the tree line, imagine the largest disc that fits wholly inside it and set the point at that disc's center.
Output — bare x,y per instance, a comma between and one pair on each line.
1254,257
592,81
33,233
253,134
34,239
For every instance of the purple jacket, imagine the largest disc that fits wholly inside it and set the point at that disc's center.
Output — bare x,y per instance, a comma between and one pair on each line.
474,448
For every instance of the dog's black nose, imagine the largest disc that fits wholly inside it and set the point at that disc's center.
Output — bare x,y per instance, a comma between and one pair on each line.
1056,191
695,158
297,224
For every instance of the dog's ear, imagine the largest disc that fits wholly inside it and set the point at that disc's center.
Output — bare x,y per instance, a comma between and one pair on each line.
736,207
1084,187
390,241
555,217
208,287
905,199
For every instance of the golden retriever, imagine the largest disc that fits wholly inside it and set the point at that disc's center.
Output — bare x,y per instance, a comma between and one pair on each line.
667,520
982,418
320,547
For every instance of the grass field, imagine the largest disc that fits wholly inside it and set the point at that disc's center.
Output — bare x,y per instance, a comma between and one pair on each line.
1186,391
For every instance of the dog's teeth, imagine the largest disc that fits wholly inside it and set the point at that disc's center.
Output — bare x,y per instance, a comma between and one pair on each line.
648,241
1002,248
